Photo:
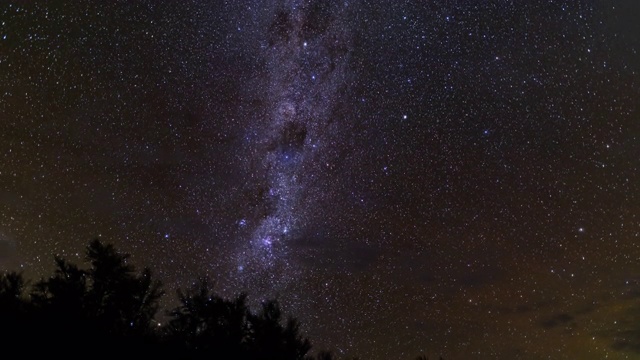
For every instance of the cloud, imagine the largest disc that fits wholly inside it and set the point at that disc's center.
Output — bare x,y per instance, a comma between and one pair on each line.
557,320
627,341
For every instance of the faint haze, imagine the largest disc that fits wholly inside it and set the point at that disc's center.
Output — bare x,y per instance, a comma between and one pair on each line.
7,252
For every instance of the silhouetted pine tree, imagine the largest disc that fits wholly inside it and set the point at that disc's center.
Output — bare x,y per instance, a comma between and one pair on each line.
15,309
270,340
325,355
108,306
206,325
121,301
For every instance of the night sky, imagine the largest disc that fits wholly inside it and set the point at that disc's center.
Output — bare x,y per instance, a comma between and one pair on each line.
446,177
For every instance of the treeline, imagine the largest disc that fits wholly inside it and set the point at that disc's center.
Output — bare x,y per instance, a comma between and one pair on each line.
109,309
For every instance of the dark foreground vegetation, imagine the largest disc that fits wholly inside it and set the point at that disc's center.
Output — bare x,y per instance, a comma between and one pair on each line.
109,310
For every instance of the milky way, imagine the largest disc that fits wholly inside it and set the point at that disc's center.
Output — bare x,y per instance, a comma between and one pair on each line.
306,51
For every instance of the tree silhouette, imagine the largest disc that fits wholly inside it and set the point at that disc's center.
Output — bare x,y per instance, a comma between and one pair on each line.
59,304
64,292
12,286
121,301
14,307
106,304
325,355
109,308
206,324
270,340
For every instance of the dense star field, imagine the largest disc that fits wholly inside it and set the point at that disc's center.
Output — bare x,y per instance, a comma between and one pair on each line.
448,177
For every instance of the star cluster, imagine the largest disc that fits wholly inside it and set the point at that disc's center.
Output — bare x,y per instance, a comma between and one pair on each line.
448,178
